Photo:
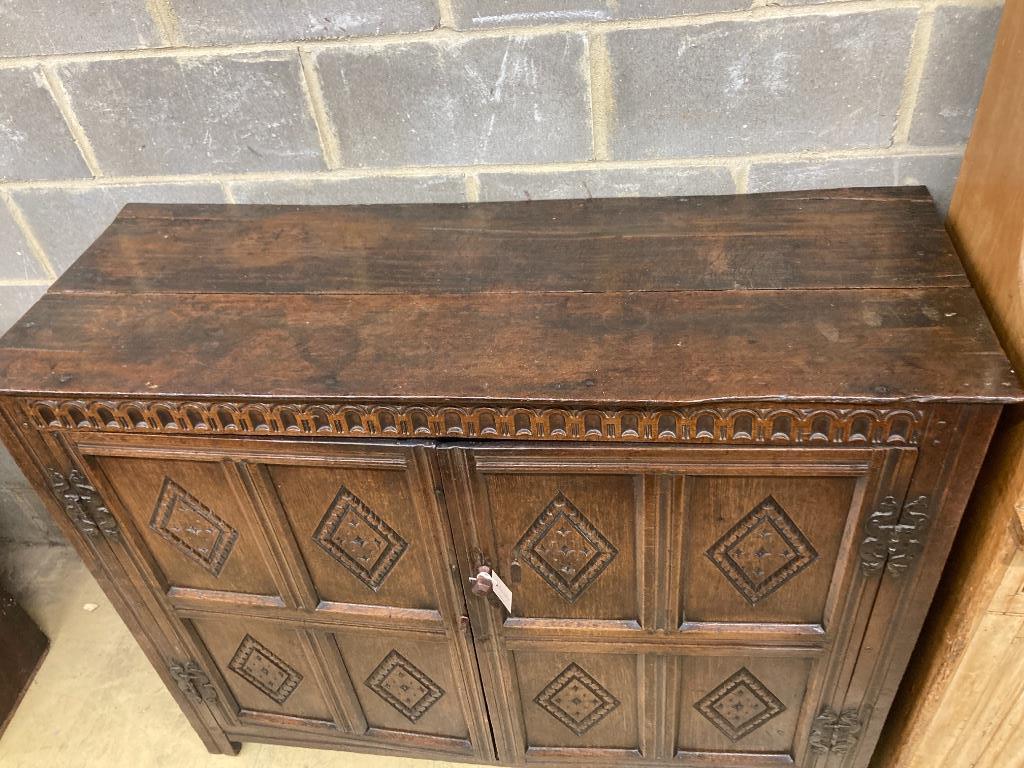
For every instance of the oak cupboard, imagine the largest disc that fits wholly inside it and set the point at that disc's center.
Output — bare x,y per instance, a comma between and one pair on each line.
717,448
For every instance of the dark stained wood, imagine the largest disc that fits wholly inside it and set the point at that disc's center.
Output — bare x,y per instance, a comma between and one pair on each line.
276,569
618,557
841,295
842,345
737,436
872,238
22,649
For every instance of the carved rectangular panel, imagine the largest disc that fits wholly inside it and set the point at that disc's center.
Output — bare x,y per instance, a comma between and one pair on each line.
267,668
576,700
406,683
360,532
762,548
574,539
195,528
740,703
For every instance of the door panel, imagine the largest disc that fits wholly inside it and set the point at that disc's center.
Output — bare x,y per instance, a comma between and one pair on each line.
359,534
314,584
762,549
673,603
192,524
574,539
576,701
740,703
268,669
405,684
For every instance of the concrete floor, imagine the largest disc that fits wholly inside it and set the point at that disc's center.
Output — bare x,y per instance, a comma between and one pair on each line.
96,701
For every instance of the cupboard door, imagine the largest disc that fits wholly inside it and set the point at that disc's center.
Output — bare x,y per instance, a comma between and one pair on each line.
313,584
667,604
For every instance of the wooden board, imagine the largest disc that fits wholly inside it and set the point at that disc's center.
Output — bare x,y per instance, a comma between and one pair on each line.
845,295
866,238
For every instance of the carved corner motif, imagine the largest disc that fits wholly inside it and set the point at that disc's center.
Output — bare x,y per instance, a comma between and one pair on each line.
190,527
403,685
894,536
735,424
82,504
565,548
193,682
834,732
762,551
576,700
740,705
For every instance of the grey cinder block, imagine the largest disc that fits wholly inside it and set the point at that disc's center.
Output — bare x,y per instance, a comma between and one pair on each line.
478,14
487,100
15,300
203,114
954,73
409,189
17,261
937,172
741,87
33,27
246,21
35,142
624,182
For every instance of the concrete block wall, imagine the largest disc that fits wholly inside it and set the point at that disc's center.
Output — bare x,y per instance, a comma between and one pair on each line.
361,101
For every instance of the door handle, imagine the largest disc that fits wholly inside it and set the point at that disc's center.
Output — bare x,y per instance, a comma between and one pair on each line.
482,583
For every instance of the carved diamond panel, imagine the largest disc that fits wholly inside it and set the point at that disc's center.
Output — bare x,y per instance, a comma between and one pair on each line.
762,551
404,687
576,700
192,528
565,548
358,539
740,705
259,666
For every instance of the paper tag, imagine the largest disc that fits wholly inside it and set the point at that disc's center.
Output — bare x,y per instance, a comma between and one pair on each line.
502,592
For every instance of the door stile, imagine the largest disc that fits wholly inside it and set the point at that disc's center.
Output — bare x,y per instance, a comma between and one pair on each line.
459,629
484,616
889,477
952,448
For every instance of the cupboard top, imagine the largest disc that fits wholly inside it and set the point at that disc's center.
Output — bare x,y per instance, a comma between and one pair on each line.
841,295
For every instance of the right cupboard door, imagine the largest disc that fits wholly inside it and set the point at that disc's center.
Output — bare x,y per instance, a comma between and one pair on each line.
694,606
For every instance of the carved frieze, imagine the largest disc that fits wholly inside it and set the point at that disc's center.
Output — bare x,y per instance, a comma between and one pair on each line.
738,424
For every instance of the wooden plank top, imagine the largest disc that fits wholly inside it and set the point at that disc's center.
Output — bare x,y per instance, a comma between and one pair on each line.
846,295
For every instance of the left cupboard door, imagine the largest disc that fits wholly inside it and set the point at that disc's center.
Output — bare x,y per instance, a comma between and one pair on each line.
314,586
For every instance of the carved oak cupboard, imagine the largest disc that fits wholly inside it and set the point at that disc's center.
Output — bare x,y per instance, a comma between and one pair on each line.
717,448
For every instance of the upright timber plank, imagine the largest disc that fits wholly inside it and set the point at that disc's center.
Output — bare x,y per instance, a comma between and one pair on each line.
960,703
